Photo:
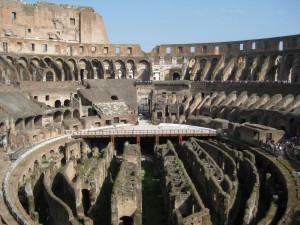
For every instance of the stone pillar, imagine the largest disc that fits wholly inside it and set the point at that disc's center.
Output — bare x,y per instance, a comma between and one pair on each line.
80,106
34,75
63,76
85,74
112,140
21,74
95,72
72,74
32,123
156,140
180,139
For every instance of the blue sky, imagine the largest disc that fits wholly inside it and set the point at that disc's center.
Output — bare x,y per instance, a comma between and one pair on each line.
154,22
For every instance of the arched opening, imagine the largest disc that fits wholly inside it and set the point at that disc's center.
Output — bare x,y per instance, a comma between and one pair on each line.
72,72
35,62
211,73
233,115
57,116
57,104
22,69
108,69
67,114
92,112
28,123
120,68
61,74
199,74
48,61
127,220
67,103
2,127
36,164
130,68
76,114
11,59
19,124
176,76
246,74
49,76
86,201
44,158
38,121
223,114
62,151
214,113
97,69
143,69
289,66
84,66
59,62
23,61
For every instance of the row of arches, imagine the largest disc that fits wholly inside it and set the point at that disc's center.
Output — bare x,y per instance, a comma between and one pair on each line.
60,69
32,122
39,161
58,103
59,116
35,122
266,118
251,68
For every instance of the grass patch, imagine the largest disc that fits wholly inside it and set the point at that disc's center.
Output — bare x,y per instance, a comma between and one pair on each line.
153,203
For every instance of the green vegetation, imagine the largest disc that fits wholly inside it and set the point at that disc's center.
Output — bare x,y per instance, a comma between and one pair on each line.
153,204
168,77
187,183
169,145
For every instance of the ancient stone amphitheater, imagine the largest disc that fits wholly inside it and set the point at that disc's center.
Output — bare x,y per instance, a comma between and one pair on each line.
99,133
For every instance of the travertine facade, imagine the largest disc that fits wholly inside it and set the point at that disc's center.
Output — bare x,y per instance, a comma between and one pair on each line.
63,23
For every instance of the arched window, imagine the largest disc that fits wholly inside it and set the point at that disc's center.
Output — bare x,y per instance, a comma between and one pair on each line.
57,104
49,76
67,103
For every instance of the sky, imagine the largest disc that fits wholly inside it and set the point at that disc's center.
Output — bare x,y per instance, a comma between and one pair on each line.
154,22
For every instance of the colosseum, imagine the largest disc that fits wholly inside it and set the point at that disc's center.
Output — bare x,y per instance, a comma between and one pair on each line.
96,133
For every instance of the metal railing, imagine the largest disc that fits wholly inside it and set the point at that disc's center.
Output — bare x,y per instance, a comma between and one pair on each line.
144,132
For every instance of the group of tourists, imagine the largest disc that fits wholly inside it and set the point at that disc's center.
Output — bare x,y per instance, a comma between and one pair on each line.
207,82
290,146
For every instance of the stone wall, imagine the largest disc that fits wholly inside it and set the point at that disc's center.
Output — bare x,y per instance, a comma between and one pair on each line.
207,182
60,22
219,108
234,47
59,212
238,187
182,202
126,199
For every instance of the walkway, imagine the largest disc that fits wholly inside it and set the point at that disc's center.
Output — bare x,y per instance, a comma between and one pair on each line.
147,130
